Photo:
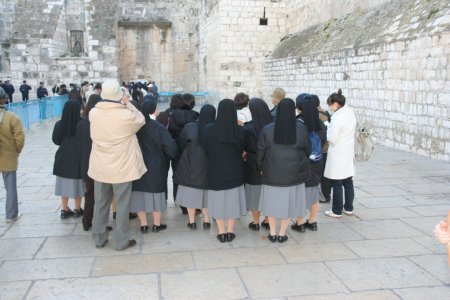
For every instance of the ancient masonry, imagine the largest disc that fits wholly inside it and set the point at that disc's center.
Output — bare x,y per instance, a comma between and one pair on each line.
389,57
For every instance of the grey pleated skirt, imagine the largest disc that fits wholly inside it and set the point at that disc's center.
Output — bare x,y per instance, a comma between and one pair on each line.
252,196
191,197
312,195
283,202
227,204
67,187
148,202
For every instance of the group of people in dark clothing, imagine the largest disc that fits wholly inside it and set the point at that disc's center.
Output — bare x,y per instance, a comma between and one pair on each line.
224,167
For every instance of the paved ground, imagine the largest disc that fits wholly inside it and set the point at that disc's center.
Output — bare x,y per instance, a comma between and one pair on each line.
385,251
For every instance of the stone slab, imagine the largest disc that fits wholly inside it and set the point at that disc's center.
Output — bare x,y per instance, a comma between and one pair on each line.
43,219
384,213
435,199
13,290
79,246
424,224
431,244
316,252
434,292
384,229
427,189
12,249
45,269
387,248
429,211
326,233
381,273
101,288
203,285
26,231
289,280
139,264
379,202
371,295
239,257
436,264
384,191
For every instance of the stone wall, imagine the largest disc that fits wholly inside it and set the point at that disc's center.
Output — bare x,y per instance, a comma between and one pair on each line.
392,64
234,44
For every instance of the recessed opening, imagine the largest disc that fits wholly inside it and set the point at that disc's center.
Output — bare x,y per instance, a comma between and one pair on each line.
263,21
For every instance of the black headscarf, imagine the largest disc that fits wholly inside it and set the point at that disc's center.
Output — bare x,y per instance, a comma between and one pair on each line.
70,118
285,124
149,97
260,114
225,128
301,98
310,114
207,116
148,108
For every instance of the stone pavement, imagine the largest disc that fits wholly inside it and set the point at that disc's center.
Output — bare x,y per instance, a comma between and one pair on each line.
385,251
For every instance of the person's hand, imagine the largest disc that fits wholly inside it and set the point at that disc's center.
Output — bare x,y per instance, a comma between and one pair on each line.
126,99
240,123
441,232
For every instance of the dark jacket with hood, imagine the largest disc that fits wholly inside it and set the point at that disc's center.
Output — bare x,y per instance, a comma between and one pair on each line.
157,149
252,173
179,118
84,143
284,165
192,166
316,167
67,157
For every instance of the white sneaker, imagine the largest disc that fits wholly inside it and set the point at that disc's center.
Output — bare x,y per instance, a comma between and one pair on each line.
330,213
13,219
348,213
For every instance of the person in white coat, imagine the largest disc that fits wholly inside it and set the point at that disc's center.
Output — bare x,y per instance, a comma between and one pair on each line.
340,167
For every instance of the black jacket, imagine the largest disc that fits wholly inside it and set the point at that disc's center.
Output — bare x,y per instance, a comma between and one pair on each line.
284,165
252,173
179,118
25,89
226,168
84,143
157,149
67,157
41,92
316,167
192,167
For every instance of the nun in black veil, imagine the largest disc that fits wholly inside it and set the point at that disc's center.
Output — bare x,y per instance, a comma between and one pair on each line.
224,142
283,157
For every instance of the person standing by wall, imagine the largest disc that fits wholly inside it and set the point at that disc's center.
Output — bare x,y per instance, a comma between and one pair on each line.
115,162
41,92
12,140
283,158
25,90
340,167
66,168
224,142
277,95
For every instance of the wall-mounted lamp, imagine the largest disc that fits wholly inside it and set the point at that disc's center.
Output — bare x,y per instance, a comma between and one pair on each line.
263,21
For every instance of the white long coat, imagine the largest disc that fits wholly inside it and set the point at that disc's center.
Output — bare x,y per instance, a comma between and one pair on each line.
341,138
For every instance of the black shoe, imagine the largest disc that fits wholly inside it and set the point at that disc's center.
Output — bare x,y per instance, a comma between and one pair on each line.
206,225
253,226
66,213
184,210
272,238
109,228
132,216
114,215
102,245
192,226
222,237
325,201
299,228
265,225
131,243
144,229
311,226
86,227
230,236
159,228
78,213
282,239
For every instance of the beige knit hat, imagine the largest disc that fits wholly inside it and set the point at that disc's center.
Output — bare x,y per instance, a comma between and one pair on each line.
111,90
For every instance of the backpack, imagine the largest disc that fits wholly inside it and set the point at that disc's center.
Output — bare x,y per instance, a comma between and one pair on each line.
316,147
363,142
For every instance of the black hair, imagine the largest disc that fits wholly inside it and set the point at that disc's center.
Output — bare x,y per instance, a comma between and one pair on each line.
98,85
241,100
336,97
175,101
315,100
92,101
24,81
188,102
